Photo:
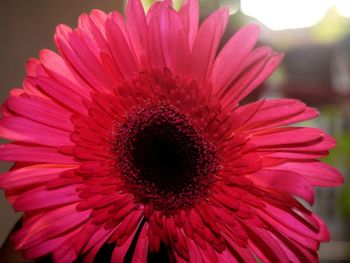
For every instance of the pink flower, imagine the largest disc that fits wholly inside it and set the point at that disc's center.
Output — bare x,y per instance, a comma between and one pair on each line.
133,135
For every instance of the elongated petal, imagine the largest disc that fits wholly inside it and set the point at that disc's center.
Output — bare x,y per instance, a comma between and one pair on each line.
41,112
287,181
122,52
258,66
318,173
287,136
206,44
189,14
24,130
33,154
274,112
60,94
41,198
32,175
137,28
80,58
174,42
230,58
141,249
60,70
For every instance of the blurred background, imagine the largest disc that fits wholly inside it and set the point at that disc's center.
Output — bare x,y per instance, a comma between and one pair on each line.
313,34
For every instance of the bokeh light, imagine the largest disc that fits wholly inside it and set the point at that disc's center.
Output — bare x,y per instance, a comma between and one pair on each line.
343,7
280,15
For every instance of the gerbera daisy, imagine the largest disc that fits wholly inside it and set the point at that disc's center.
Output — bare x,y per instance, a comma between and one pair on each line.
133,135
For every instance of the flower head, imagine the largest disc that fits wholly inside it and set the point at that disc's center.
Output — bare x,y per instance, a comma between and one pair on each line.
133,135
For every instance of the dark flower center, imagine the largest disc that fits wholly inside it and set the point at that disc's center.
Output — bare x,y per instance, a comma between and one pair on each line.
163,157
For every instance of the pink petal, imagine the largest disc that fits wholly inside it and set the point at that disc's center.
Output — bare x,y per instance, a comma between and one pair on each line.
24,130
63,73
314,149
99,19
122,53
65,253
50,225
78,55
32,175
174,41
274,112
230,58
60,94
195,255
206,44
137,28
264,246
35,154
297,222
98,243
141,249
278,137
41,111
316,172
92,236
155,52
254,71
48,246
268,68
189,14
293,155
227,257
42,198
154,11
119,252
30,90
94,34
287,181
34,69
308,239
244,253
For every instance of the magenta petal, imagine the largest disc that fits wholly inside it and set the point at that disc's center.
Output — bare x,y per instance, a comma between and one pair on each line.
155,52
290,136
41,198
48,246
119,252
206,44
60,70
40,111
31,175
174,42
318,173
194,253
232,56
137,28
274,112
79,56
122,53
265,246
287,181
141,249
189,14
60,94
43,229
90,256
35,154
24,130
251,79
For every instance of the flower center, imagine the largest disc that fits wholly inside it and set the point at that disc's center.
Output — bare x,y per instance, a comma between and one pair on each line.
163,157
